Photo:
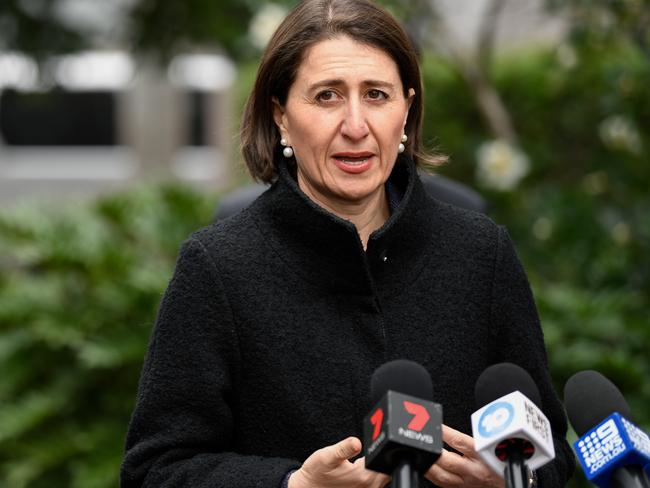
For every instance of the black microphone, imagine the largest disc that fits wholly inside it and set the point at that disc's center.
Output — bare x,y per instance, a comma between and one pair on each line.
611,449
403,432
511,433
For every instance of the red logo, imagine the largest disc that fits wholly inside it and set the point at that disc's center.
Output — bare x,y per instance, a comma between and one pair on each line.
376,420
421,416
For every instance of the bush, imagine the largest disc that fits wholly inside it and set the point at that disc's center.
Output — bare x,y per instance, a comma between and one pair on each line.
580,217
79,290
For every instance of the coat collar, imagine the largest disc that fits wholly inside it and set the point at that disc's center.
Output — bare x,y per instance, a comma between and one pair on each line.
326,250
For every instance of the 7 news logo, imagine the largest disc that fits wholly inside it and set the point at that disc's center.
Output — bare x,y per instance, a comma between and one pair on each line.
416,424
601,446
376,420
420,416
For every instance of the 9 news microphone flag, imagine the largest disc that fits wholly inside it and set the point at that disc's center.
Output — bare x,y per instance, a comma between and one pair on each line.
611,449
403,431
511,434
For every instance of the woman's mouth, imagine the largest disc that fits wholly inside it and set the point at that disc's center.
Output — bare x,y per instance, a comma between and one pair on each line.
349,160
353,162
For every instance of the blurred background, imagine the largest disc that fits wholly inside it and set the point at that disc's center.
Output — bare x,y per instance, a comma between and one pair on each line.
118,137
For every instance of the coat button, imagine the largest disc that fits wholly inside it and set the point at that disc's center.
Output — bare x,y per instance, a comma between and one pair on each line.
383,256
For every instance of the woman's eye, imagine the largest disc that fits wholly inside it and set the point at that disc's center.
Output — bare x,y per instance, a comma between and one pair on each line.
326,96
377,95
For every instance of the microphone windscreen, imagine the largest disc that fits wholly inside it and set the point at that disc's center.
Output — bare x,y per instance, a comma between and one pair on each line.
402,376
589,398
502,379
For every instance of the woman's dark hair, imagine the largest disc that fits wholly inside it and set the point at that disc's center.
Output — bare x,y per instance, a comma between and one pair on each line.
310,22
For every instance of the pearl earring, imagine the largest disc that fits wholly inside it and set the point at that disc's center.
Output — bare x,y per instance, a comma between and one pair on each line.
288,150
401,148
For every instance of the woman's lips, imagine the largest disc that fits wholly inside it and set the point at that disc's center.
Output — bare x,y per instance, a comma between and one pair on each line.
353,162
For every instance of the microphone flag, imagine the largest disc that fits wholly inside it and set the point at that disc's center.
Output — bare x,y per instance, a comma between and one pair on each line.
512,416
401,424
613,443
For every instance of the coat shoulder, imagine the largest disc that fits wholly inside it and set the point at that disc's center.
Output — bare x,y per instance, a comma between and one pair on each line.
463,228
234,236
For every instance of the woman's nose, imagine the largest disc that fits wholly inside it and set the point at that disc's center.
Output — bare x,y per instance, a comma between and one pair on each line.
355,125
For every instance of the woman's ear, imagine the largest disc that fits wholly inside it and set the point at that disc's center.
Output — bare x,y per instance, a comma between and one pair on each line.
278,116
409,102
411,96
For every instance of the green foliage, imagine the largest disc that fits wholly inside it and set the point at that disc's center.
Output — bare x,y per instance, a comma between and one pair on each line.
164,27
33,27
580,217
599,24
78,293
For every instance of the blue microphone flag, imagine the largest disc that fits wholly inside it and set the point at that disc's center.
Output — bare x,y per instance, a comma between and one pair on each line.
612,444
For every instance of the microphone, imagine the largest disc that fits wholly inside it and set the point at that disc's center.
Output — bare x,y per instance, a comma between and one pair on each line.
511,433
403,432
611,449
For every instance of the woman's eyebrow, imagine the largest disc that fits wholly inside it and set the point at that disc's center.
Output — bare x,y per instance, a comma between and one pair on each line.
379,84
324,83
333,82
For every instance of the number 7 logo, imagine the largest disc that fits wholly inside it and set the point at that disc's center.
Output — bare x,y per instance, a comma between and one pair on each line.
376,420
421,416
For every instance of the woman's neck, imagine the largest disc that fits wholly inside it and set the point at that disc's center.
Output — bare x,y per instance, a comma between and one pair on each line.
367,218
367,215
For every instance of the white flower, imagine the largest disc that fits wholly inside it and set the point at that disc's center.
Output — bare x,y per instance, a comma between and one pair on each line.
543,228
500,165
566,56
595,183
621,233
264,24
618,132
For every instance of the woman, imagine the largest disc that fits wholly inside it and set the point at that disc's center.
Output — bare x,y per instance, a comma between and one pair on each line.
259,366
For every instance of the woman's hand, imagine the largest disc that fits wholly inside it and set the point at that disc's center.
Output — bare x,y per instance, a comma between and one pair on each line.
330,467
465,469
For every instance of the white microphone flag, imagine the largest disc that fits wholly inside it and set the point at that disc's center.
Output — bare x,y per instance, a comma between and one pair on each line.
512,416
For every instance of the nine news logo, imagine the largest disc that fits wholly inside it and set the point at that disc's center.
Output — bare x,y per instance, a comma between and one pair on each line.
640,439
601,446
496,419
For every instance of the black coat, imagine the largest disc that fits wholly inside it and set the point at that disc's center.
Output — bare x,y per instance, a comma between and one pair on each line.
275,320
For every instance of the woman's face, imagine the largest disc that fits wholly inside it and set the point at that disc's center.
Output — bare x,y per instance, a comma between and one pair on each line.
344,117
